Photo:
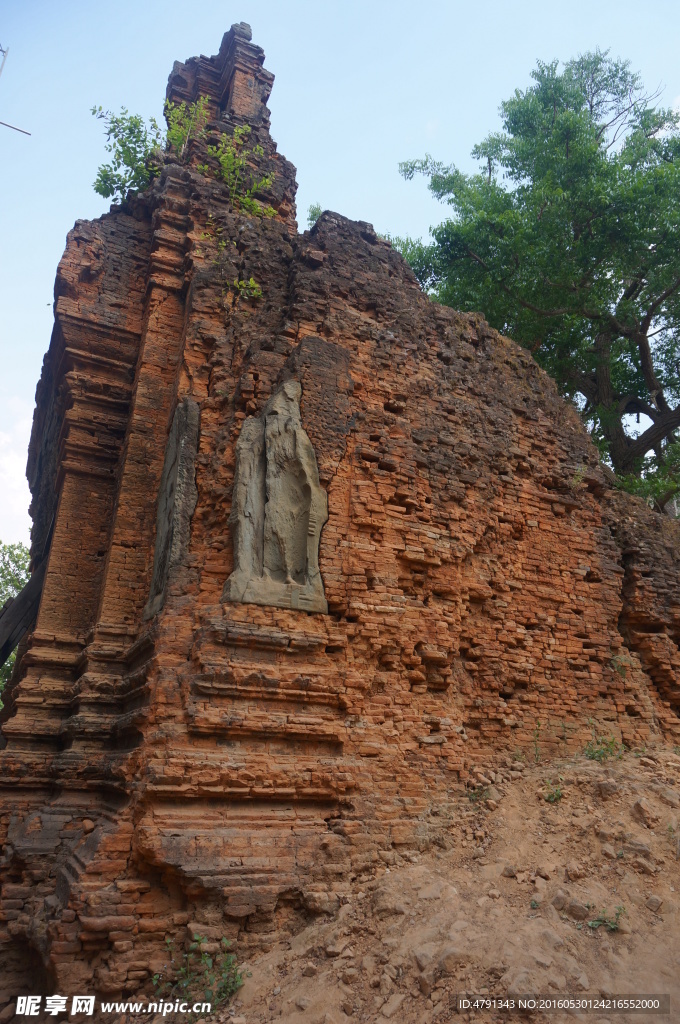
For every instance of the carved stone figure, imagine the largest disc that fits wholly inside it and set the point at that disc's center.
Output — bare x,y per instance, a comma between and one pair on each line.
176,500
278,510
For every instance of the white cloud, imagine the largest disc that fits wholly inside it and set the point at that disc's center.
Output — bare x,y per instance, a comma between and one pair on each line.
15,496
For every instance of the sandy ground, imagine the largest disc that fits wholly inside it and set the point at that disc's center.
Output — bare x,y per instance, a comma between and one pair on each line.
507,906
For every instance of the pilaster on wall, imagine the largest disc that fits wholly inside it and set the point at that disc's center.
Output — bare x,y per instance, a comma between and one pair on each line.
127,580
105,693
78,435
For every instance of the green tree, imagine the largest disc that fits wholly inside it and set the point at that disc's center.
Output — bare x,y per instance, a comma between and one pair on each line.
14,575
567,240
135,145
131,143
313,214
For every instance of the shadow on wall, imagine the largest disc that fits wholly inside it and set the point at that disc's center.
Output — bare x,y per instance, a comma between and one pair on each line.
22,971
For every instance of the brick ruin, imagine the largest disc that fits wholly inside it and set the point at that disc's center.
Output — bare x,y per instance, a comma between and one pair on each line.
178,755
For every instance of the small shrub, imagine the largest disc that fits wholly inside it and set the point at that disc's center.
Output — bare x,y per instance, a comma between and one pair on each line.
619,664
131,143
601,748
233,168
249,289
313,214
578,477
186,121
136,146
478,794
553,790
197,975
610,923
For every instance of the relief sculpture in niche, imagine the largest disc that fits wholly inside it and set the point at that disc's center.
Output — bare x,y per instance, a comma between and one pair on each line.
176,500
278,510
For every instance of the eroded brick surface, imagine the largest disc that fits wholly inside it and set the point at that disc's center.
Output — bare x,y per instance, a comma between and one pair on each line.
229,767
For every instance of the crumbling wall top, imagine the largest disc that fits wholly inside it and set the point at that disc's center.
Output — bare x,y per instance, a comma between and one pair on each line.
235,79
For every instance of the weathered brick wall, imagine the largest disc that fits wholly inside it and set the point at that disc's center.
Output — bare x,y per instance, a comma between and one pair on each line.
226,767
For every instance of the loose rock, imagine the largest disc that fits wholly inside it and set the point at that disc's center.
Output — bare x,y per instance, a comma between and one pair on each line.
645,813
579,911
389,1008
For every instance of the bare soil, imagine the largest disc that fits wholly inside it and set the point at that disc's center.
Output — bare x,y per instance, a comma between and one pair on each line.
573,895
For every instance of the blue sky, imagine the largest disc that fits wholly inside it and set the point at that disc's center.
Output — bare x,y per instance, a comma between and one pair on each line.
359,87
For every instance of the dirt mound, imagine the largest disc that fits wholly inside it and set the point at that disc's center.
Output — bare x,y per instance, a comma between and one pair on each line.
523,895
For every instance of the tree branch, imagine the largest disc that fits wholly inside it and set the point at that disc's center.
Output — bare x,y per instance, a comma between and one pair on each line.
649,315
629,404
663,499
657,432
509,291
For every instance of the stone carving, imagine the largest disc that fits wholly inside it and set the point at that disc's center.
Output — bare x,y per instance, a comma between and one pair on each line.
278,510
176,500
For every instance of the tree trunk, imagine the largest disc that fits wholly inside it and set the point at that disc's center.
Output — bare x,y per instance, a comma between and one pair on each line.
610,418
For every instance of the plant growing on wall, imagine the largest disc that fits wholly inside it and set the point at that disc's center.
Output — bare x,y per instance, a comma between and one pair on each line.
313,214
135,145
131,142
233,156
247,289
198,975
186,121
